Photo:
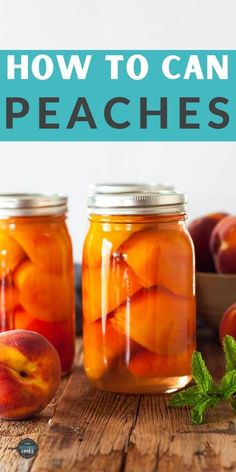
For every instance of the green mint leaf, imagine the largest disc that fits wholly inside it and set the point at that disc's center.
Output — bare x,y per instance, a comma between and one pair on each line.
229,346
186,397
201,374
197,413
227,385
205,394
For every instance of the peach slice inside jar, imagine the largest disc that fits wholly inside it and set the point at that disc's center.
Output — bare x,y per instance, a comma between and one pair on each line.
61,335
102,345
103,242
11,254
161,257
44,296
45,245
107,287
150,364
157,319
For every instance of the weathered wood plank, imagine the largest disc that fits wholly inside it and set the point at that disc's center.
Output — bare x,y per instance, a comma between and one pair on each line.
89,431
11,432
164,440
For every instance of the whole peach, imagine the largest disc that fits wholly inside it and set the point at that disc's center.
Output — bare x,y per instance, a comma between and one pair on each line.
223,245
228,322
200,231
29,373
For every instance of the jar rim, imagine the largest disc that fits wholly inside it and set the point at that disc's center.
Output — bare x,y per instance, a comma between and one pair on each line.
32,204
127,187
149,200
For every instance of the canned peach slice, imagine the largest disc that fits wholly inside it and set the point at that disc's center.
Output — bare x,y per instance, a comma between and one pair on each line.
46,245
161,257
103,242
158,320
59,334
101,347
9,298
11,254
44,296
105,288
150,364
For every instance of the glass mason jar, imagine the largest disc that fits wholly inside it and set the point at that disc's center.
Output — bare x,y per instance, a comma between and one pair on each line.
138,291
36,270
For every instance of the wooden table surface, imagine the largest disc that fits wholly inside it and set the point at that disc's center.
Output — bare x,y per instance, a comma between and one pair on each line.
87,430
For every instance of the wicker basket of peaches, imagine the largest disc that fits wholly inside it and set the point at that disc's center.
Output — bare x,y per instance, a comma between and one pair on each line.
214,238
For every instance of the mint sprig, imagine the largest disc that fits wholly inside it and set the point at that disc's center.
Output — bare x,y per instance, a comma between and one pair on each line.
206,394
229,346
201,374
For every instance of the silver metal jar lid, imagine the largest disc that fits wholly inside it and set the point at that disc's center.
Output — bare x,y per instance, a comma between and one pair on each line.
128,187
24,204
138,202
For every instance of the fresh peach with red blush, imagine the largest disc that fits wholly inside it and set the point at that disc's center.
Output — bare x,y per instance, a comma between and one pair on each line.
223,245
30,373
228,322
200,230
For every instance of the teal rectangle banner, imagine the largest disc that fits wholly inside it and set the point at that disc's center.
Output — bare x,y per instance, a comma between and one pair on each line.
117,95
